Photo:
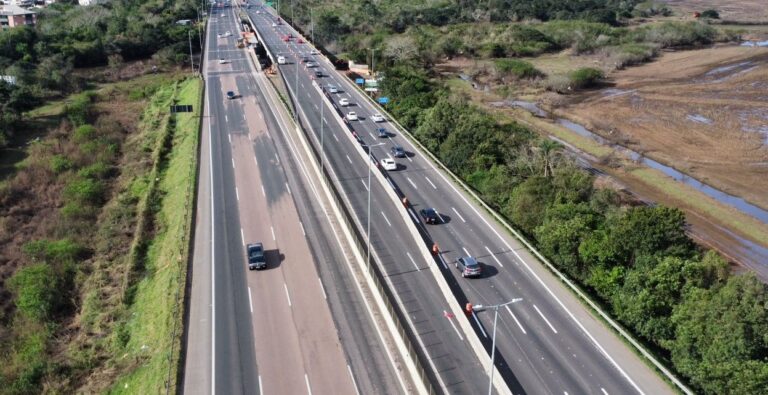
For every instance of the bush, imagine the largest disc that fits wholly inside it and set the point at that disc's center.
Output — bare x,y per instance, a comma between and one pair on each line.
711,14
96,171
585,77
631,54
84,133
60,164
53,251
675,34
517,68
79,110
85,190
36,291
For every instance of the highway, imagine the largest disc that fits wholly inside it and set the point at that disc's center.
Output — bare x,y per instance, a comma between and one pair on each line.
298,326
549,342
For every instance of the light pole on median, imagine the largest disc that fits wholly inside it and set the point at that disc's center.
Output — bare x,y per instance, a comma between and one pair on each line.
495,308
368,235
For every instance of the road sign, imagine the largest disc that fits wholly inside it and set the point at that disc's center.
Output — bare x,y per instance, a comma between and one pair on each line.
181,108
359,81
383,100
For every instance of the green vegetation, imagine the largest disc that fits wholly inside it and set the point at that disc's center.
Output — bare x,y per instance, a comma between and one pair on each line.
638,261
43,58
518,68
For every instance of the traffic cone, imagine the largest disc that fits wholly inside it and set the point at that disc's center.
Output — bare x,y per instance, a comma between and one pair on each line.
435,249
468,308
405,202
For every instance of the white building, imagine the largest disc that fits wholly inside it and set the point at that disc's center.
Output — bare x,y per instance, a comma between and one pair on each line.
90,2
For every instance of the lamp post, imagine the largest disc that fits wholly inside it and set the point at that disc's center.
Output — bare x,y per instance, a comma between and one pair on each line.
495,308
322,134
368,235
191,63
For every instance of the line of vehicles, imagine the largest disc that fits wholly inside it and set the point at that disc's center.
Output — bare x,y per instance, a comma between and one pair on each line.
468,266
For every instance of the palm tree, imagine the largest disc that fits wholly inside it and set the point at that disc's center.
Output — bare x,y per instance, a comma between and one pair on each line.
549,151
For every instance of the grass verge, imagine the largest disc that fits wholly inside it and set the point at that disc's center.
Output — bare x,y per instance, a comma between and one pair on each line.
153,327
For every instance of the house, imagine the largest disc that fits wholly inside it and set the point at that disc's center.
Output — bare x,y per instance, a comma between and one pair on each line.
13,16
90,2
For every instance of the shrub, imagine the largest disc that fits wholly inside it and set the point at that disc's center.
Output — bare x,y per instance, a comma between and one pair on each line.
60,164
631,54
98,170
674,34
710,13
84,133
52,251
35,289
558,83
85,190
79,110
585,77
517,68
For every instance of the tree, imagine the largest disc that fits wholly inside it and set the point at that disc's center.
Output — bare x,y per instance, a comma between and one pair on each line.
710,13
722,336
549,151
401,49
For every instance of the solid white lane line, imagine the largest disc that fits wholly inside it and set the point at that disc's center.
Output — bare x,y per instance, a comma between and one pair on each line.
237,194
410,181
364,184
413,215
445,314
479,325
349,160
250,299
289,188
412,261
309,389
302,228
516,321
494,256
357,391
213,251
273,232
229,136
386,219
430,182
322,288
457,213
545,319
442,260
334,136
465,251
242,237
603,390
287,296
262,191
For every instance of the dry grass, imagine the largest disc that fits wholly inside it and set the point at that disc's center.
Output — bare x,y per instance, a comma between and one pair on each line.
702,112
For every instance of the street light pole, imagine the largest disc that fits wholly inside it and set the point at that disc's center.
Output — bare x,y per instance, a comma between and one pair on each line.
368,232
191,63
322,148
495,308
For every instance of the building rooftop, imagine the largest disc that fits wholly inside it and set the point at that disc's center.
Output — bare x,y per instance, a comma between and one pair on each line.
14,10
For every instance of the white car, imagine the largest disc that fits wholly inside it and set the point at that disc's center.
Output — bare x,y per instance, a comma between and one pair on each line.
314,52
344,102
227,34
222,15
311,64
222,61
377,117
351,116
333,89
274,24
281,60
389,164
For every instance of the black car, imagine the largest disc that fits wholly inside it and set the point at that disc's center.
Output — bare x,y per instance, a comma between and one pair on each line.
230,95
430,215
469,267
256,258
319,74
382,132
398,152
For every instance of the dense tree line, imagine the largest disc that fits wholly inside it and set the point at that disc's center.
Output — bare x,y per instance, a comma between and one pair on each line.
711,326
68,36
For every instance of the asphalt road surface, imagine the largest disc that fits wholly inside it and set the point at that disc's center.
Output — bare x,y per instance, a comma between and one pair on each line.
270,331
550,342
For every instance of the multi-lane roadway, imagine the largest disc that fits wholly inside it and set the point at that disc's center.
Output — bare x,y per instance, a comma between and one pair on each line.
300,326
549,343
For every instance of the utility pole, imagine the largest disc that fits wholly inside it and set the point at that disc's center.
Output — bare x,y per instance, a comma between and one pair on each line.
312,23
191,63
373,62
